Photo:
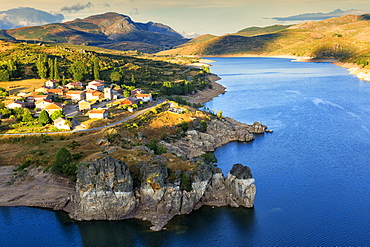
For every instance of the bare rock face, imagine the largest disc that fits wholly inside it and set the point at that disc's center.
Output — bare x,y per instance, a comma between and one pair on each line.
219,132
105,191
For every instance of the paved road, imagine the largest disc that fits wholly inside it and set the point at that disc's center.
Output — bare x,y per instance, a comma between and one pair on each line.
98,128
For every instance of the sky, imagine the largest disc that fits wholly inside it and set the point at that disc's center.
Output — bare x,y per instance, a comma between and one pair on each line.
215,17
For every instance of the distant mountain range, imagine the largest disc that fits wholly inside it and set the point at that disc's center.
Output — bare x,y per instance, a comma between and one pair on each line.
345,37
109,30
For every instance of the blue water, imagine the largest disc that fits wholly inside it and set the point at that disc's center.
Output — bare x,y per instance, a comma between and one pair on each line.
312,173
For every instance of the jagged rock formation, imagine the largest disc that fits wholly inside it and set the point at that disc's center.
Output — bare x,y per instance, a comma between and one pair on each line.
106,190
219,132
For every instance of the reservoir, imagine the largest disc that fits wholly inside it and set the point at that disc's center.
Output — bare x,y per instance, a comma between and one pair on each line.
312,173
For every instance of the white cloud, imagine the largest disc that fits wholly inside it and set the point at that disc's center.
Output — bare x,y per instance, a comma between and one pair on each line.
76,8
20,17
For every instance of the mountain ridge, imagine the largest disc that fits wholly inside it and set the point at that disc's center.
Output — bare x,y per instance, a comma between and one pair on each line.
104,29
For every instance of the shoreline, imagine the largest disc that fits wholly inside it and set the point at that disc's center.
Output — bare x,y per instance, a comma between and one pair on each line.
354,69
208,94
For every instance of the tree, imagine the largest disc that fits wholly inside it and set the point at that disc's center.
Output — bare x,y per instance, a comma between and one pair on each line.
203,126
62,163
206,69
185,126
78,70
167,88
4,75
64,81
51,68
56,69
116,76
27,115
126,93
42,69
133,80
44,118
57,114
96,68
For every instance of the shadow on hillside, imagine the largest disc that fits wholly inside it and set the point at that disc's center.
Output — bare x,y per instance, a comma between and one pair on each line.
236,44
333,52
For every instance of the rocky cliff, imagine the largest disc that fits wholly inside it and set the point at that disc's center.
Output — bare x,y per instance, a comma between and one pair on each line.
219,132
107,190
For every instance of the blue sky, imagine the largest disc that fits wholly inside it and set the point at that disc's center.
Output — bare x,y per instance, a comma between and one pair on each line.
216,17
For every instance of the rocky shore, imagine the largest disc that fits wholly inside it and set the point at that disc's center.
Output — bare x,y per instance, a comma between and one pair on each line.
106,190
207,94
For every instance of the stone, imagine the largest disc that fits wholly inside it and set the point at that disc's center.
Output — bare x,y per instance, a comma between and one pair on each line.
105,191
219,132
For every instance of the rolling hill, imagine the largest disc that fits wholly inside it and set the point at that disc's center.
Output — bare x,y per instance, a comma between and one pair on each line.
109,30
346,38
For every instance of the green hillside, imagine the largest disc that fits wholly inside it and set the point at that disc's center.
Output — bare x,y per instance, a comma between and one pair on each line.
346,38
252,31
109,30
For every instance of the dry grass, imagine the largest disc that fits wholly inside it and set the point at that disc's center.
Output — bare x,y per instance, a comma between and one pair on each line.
41,149
28,85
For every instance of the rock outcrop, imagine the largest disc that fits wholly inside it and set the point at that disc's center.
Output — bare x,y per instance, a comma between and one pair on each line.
106,190
219,132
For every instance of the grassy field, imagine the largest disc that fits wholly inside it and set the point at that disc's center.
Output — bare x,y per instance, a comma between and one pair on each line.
17,86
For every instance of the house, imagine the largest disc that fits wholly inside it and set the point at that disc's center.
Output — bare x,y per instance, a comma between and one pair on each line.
108,94
41,103
94,95
136,91
147,97
42,89
76,95
75,84
97,85
34,96
98,113
53,107
16,104
55,92
51,83
84,105
62,124
129,101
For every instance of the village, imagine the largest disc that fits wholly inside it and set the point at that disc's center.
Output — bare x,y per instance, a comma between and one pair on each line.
63,102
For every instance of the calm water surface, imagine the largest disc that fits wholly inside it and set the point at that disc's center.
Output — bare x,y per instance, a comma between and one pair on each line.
312,173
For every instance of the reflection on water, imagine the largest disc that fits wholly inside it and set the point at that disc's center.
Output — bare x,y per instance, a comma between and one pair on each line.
193,229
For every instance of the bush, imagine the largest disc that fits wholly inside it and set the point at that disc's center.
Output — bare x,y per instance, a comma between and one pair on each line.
210,157
203,126
63,163
185,126
185,182
157,147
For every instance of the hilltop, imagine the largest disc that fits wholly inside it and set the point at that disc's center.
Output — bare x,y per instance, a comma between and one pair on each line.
108,30
344,38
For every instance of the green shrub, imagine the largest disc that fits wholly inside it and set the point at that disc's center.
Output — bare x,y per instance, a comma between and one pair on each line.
63,163
203,126
185,182
157,147
209,157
